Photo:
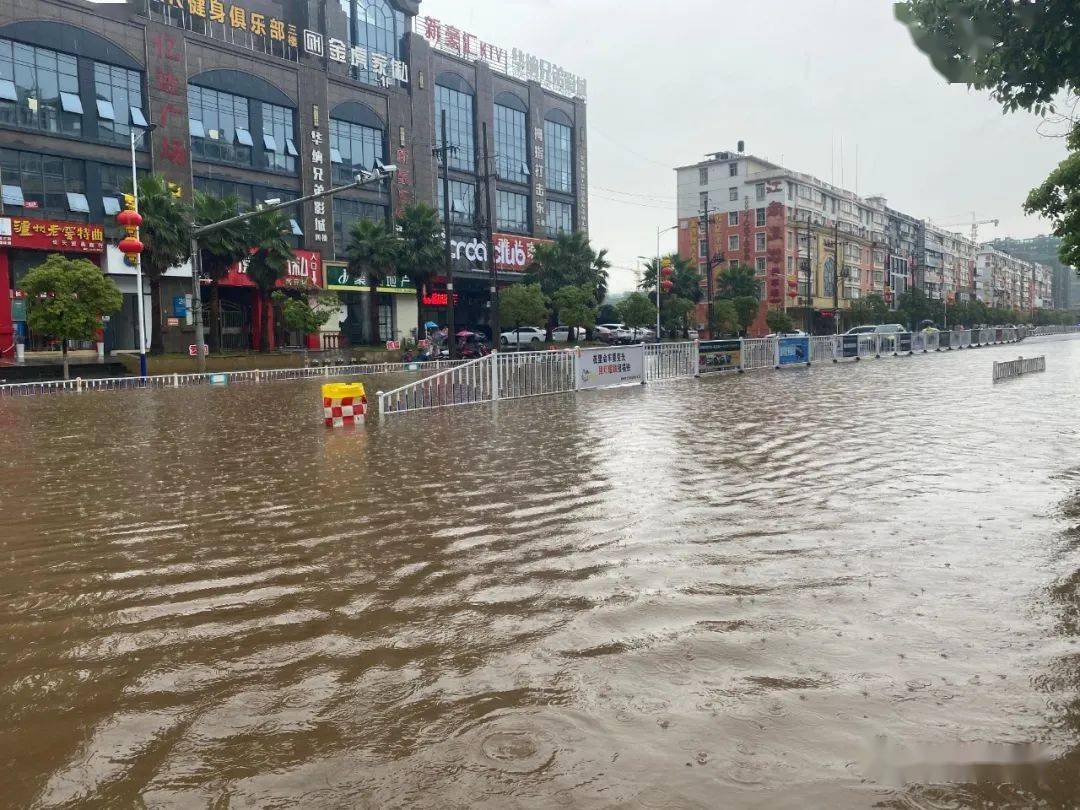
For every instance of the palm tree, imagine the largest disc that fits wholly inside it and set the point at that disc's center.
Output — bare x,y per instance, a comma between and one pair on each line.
569,261
166,237
600,267
737,281
372,250
420,251
219,250
269,234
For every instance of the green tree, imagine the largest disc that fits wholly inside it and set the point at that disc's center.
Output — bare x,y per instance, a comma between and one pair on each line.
300,316
746,311
738,281
912,306
420,251
725,318
269,262
219,251
569,261
871,309
676,306
675,314
1024,54
66,299
779,321
607,313
521,305
577,307
166,237
637,310
372,251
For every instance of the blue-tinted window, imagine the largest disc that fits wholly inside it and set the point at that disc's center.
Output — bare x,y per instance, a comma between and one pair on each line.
513,211
511,155
120,89
218,117
278,135
379,30
46,87
45,182
560,217
459,126
462,202
559,151
353,148
346,212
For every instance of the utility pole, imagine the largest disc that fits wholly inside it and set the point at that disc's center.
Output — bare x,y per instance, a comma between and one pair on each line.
493,316
708,268
443,152
836,274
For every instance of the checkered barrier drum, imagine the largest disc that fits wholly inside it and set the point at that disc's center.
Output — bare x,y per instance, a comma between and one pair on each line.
344,404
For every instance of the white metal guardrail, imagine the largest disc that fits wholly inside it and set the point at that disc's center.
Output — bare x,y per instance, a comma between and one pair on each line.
1019,367
670,361
822,348
531,374
465,384
221,378
758,353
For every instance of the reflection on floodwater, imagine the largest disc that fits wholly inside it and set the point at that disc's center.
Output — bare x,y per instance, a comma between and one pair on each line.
827,587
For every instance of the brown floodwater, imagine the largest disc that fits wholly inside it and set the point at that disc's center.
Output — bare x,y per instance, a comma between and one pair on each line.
847,586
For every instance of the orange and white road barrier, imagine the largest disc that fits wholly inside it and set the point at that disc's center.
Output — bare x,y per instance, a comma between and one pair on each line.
344,404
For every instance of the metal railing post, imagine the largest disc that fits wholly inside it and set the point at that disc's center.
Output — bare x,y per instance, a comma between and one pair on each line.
494,376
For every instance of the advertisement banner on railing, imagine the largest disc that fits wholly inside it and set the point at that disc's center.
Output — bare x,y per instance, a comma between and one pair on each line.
603,368
719,355
905,343
851,345
794,351
944,340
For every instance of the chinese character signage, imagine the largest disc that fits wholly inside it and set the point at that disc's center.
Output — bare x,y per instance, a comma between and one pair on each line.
539,186
167,83
231,23
794,351
383,68
515,63
339,278
719,355
305,271
514,254
319,168
47,234
601,368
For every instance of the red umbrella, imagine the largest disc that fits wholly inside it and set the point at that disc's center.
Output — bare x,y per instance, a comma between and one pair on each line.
465,333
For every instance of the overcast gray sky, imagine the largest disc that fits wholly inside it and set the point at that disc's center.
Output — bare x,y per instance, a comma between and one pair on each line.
669,82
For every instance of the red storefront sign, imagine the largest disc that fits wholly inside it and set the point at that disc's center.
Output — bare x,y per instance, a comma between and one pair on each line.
514,253
48,234
305,271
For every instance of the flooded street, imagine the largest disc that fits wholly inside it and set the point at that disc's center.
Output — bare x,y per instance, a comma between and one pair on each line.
846,586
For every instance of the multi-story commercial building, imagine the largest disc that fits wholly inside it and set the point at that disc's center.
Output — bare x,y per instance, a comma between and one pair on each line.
274,99
759,211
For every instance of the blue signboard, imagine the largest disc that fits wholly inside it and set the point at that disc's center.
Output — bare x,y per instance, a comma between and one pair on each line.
794,351
179,306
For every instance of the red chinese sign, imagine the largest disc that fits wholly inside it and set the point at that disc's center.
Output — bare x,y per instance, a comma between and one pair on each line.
514,253
304,272
47,234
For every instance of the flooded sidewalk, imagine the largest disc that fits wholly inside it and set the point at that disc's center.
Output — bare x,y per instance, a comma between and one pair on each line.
828,587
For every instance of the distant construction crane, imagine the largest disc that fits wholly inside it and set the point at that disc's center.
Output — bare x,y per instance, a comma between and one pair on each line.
975,222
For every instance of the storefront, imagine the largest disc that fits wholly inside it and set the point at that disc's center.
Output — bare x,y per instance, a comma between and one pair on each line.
243,309
24,244
396,306
121,331
472,279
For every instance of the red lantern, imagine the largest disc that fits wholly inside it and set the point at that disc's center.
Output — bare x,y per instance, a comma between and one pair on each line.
666,272
667,285
130,246
129,219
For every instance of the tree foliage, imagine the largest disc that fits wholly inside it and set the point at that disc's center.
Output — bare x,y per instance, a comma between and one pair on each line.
576,306
569,261
738,281
66,299
372,252
166,237
871,309
746,311
1058,199
607,313
725,320
421,252
637,310
779,321
219,250
269,262
522,305
300,316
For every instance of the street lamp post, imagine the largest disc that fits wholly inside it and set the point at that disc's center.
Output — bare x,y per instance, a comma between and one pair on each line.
376,175
138,260
659,231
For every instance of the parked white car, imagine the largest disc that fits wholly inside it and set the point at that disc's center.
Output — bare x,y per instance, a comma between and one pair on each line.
879,329
607,332
525,336
561,334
